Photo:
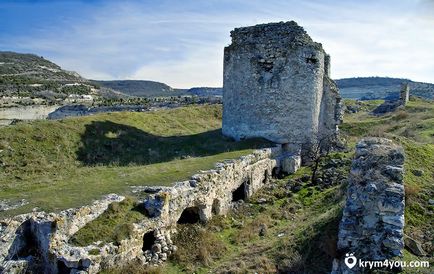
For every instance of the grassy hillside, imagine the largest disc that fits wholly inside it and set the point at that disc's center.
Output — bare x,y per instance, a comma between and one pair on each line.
59,164
413,128
33,67
291,226
381,88
29,75
140,88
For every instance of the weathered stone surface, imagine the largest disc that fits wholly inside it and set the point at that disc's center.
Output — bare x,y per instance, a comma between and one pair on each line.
276,85
213,191
209,193
392,105
48,234
373,219
404,95
6,205
290,163
14,266
417,172
414,246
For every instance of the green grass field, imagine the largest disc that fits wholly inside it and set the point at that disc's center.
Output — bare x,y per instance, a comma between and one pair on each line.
56,165
87,157
302,226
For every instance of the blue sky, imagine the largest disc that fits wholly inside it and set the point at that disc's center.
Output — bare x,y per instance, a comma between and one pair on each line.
181,42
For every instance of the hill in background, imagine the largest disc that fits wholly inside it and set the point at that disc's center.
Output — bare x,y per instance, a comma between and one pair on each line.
33,76
370,88
146,88
141,88
29,75
361,88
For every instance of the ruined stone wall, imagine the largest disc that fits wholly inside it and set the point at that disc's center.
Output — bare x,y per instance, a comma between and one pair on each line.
45,236
209,193
372,225
276,85
212,190
404,95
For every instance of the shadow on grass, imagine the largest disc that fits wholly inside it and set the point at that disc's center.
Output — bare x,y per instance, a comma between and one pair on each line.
108,143
314,250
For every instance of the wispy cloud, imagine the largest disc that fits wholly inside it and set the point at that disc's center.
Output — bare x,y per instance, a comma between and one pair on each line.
181,42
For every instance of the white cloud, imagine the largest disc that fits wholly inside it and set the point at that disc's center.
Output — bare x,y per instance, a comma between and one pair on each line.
181,43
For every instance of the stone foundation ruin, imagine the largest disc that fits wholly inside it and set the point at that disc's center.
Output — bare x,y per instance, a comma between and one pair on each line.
40,241
277,85
404,94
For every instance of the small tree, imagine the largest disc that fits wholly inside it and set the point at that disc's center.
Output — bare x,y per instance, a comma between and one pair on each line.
319,147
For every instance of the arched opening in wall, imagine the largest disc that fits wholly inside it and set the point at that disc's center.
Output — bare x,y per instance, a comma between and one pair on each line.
190,215
62,268
148,240
24,244
275,173
266,179
215,209
240,193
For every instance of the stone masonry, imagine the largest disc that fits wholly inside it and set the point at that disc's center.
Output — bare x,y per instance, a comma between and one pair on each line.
277,85
41,239
404,95
373,219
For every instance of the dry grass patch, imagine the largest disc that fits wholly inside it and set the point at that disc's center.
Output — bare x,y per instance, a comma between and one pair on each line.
196,245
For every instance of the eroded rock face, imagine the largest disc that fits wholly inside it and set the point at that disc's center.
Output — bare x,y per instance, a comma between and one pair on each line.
373,219
276,85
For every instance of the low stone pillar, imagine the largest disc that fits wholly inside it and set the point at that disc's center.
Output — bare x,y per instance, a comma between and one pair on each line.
289,164
372,224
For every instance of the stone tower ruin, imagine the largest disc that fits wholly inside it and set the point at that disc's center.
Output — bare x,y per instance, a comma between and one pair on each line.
404,95
277,85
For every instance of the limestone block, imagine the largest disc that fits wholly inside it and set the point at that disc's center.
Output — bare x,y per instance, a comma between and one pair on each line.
290,163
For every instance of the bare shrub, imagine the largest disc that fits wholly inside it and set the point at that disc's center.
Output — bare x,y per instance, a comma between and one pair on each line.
401,115
264,264
378,131
411,192
292,263
251,230
136,268
197,245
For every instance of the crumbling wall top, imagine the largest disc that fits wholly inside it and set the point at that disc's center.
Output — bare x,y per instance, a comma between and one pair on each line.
272,33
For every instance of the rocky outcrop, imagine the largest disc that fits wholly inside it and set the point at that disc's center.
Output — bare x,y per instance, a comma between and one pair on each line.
25,113
40,241
276,85
372,225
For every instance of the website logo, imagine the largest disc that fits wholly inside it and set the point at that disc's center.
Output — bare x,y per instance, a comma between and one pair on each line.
350,260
